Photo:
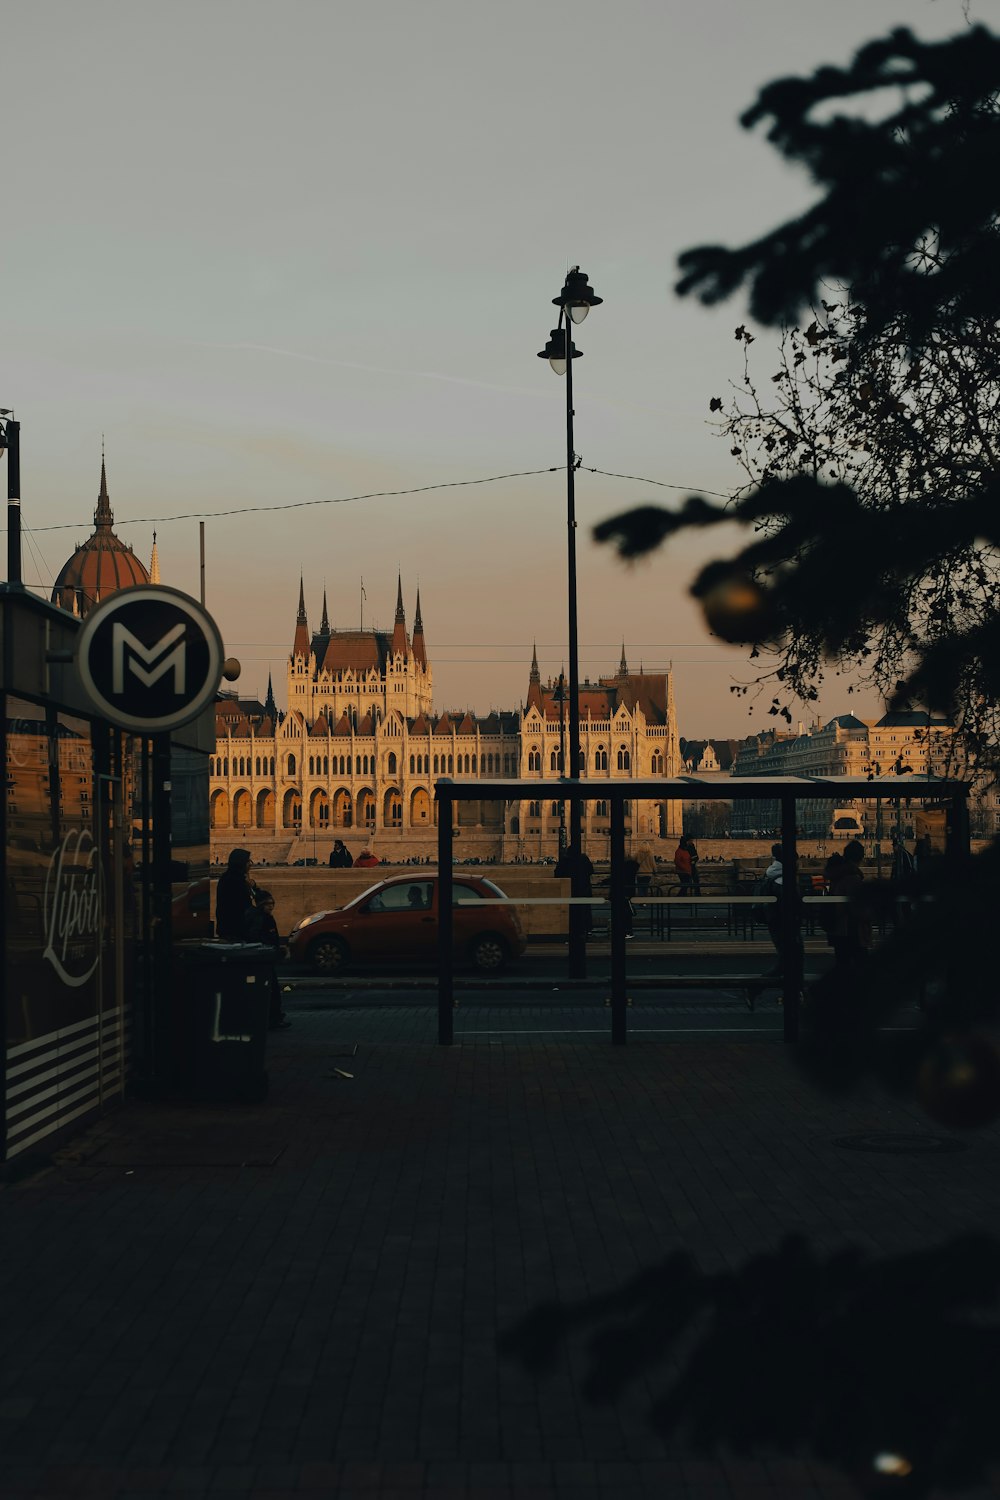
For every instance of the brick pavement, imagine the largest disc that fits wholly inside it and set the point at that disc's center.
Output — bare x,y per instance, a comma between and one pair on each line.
176,1322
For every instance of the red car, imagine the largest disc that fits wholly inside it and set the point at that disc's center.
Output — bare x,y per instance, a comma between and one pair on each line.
396,921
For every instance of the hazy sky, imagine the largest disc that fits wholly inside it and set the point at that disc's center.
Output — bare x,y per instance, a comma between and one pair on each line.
292,253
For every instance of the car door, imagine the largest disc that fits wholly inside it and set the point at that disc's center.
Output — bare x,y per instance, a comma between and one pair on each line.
397,925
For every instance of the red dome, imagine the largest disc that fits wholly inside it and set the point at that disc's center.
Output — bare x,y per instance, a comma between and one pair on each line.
101,566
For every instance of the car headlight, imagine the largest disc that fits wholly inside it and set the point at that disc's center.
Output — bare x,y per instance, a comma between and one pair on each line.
316,916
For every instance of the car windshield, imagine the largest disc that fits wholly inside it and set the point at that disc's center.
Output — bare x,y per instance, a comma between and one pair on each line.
356,900
495,889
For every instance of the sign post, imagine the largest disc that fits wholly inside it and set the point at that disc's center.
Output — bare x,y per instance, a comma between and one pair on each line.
150,660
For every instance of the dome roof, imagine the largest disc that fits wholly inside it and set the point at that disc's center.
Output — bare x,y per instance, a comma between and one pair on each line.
101,566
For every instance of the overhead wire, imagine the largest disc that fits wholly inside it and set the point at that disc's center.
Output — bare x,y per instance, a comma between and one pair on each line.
422,489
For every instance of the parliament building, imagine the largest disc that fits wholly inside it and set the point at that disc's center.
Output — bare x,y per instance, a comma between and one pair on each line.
360,747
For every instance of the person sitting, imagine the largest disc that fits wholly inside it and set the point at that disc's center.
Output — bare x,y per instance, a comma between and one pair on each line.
416,898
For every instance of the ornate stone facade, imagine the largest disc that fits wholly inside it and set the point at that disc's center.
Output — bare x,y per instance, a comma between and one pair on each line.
360,747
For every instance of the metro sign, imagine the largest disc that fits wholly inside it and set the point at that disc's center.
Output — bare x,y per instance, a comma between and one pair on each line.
149,658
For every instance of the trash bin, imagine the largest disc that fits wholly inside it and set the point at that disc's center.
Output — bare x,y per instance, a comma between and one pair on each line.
220,1002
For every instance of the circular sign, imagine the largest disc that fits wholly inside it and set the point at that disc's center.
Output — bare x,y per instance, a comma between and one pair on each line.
149,658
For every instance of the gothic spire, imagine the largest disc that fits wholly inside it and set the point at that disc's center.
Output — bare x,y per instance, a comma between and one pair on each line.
623,664
300,646
270,707
534,680
324,627
102,515
419,645
154,563
399,642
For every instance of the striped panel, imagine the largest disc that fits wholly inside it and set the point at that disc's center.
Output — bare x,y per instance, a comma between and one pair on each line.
55,1079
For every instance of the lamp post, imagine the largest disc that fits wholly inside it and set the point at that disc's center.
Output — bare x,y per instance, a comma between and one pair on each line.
560,696
574,303
10,438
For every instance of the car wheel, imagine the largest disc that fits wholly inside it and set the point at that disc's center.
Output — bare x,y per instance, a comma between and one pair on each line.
489,953
328,955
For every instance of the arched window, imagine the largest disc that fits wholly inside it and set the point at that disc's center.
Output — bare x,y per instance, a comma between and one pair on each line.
291,765
473,765
451,765
390,764
555,809
271,772
258,765
627,808
600,759
226,765
326,765
534,809
624,759
534,759
657,763
312,766
601,810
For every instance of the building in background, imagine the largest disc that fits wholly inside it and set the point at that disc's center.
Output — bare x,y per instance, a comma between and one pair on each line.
886,750
360,747
709,760
102,564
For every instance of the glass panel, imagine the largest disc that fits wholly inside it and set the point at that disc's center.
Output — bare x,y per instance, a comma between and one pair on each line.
53,901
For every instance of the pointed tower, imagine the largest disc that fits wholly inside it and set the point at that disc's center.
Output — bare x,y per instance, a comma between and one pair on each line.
154,563
419,645
324,624
300,646
534,680
399,643
270,707
103,518
623,664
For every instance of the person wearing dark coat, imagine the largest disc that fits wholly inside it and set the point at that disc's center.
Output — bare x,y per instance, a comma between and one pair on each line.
340,857
234,895
259,926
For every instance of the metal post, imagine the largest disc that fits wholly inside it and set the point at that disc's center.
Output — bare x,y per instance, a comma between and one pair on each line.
446,987
619,1000
577,924
788,917
201,544
562,759
161,935
13,437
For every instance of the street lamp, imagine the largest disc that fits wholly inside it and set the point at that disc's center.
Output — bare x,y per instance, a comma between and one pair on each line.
574,303
10,438
560,697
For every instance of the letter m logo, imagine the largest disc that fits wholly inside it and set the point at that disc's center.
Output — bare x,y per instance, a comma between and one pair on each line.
124,643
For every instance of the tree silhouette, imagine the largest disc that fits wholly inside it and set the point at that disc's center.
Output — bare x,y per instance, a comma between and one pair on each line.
908,223
885,1369
881,1368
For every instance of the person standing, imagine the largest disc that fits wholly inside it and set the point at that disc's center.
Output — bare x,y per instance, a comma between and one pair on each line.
259,926
772,883
692,849
850,930
682,865
234,896
646,870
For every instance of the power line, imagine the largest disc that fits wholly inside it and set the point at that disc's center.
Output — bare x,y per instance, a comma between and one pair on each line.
423,489
245,510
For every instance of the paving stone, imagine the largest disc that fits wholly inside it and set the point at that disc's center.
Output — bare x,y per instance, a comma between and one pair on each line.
351,1339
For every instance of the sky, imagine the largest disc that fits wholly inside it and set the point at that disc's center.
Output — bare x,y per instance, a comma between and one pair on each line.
281,255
